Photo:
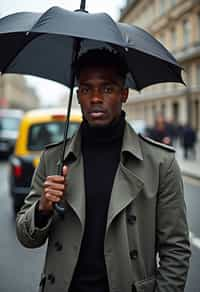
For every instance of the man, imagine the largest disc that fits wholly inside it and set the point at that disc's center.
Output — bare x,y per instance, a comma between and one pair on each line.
160,132
124,198
188,141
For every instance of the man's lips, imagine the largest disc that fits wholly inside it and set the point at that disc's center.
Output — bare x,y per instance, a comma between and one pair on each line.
97,113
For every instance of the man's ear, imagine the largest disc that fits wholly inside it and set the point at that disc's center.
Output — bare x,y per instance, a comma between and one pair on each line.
125,92
77,95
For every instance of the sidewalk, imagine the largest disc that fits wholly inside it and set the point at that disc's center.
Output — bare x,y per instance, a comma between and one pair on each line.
190,168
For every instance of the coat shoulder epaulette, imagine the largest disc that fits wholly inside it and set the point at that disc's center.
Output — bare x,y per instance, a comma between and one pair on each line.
53,144
161,145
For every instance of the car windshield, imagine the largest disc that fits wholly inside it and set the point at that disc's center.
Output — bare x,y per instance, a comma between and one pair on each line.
9,123
47,133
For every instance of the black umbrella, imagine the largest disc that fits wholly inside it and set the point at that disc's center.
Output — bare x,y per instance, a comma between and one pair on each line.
47,45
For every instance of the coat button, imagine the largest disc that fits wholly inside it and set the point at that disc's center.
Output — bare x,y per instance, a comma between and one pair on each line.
58,246
51,278
131,219
133,254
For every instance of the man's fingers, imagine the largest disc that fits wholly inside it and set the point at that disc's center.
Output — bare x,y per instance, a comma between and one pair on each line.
54,186
55,178
54,192
52,198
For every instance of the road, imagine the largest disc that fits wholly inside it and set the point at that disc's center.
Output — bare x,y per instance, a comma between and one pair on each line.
20,268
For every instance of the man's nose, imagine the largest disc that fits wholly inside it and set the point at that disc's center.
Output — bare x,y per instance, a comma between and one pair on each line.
97,96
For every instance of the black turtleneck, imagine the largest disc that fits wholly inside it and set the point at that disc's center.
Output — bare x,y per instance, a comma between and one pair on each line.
101,154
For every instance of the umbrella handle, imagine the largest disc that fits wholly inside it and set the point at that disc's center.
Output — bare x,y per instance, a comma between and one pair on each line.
60,207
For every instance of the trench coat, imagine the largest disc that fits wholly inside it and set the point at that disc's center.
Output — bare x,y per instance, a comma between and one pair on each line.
146,245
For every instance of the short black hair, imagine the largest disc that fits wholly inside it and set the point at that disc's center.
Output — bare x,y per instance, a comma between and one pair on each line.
102,58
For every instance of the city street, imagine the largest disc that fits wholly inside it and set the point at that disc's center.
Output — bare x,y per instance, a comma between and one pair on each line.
20,268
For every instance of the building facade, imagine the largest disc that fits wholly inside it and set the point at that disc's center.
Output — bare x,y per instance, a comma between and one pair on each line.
176,24
15,93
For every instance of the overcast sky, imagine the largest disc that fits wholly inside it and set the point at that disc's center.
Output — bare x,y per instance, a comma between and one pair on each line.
11,6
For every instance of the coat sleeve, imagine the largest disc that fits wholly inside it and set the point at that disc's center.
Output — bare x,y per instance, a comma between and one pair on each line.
28,234
172,230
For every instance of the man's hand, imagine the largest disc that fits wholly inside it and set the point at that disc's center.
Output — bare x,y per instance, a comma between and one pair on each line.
167,140
53,190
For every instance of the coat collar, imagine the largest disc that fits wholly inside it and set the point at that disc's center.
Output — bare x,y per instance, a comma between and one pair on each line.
130,144
73,146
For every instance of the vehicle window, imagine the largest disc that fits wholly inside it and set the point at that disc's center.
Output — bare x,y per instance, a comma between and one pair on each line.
47,133
9,124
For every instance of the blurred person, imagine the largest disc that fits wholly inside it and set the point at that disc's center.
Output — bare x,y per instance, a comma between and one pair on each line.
123,194
172,130
189,139
160,131
180,132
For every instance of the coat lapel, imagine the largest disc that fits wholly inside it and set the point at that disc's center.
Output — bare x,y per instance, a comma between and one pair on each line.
127,184
126,188
75,195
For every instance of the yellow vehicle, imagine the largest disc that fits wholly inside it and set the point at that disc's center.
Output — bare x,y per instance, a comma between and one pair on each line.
38,128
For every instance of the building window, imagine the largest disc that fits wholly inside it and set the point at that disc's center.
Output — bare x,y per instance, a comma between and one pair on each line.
173,38
173,2
163,108
154,111
129,2
175,110
162,6
197,114
189,80
186,33
199,26
198,75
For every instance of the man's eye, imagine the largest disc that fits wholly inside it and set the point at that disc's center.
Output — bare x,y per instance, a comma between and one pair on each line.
108,89
84,90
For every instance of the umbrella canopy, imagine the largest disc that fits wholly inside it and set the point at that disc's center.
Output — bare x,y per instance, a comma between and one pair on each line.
43,45
47,45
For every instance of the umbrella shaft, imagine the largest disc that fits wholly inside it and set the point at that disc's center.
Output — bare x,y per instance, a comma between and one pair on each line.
74,59
59,207
82,6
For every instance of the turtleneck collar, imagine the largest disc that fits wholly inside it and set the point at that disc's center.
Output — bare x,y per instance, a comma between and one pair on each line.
107,134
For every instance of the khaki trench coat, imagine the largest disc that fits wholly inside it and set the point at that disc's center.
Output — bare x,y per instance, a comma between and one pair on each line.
146,243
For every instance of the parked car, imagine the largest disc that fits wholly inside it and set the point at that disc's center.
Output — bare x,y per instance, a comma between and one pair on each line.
9,125
37,129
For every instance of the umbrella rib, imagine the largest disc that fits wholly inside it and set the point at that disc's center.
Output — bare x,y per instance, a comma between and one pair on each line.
174,72
136,86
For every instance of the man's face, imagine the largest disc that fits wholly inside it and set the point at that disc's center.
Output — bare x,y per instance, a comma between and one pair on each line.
101,94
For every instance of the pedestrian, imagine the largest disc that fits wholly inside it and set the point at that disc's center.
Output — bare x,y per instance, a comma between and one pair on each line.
172,130
160,132
188,141
124,198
